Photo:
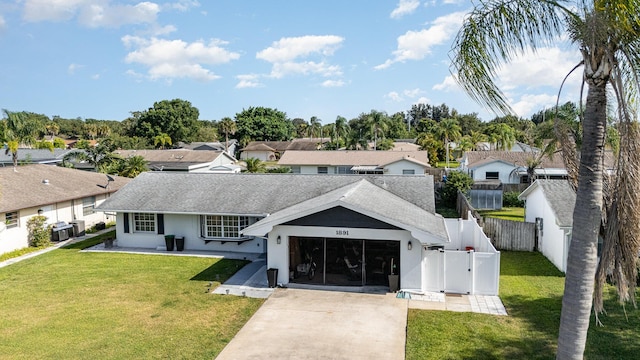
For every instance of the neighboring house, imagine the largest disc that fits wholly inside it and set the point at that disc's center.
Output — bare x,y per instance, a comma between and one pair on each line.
215,146
549,204
510,167
185,160
356,162
61,194
357,230
272,150
71,143
34,156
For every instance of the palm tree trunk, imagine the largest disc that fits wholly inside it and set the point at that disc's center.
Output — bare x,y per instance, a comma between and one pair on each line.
582,257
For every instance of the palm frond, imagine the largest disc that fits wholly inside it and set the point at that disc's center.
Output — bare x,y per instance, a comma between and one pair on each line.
493,34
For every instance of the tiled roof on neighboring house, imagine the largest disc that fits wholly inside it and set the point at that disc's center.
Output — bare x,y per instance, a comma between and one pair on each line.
174,159
560,196
35,156
36,185
519,158
192,193
307,144
350,157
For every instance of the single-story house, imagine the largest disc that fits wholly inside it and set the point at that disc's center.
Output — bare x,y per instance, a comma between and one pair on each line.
314,229
208,161
214,145
356,162
34,156
272,150
61,194
510,167
549,204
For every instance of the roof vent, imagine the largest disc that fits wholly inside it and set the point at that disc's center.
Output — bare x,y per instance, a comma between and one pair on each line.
45,181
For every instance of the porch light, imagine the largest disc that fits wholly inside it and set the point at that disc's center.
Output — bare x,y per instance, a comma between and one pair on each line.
278,240
409,245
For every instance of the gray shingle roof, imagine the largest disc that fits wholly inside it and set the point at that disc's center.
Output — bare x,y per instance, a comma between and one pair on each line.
35,155
367,198
25,188
193,193
561,198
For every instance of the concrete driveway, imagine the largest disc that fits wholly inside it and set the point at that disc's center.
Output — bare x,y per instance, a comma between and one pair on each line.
316,324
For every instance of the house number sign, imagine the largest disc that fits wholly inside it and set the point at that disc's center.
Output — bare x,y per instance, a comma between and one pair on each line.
342,232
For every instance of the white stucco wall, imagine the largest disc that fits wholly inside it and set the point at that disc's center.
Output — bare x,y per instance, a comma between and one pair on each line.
187,226
554,241
396,168
17,237
506,174
313,169
260,155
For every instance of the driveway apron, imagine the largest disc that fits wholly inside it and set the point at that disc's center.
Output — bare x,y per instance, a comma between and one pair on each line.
316,324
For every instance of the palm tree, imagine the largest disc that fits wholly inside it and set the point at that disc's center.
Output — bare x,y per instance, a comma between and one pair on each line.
378,122
341,129
450,130
19,129
133,166
502,135
162,140
607,35
101,157
227,126
315,128
255,165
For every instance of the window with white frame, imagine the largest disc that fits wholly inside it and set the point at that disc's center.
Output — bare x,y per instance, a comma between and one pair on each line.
408,172
223,226
11,219
344,169
295,169
144,222
323,170
88,205
492,175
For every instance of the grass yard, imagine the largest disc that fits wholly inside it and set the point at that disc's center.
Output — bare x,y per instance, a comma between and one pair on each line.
71,305
531,290
506,213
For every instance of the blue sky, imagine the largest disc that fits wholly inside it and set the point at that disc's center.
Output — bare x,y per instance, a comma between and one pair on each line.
106,58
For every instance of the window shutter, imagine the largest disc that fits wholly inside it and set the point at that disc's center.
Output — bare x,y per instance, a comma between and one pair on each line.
125,217
161,224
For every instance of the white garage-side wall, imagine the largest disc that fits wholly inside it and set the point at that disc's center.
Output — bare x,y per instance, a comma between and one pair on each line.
398,167
504,172
554,243
410,260
180,225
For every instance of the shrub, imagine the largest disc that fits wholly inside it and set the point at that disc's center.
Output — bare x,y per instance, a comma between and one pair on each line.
38,231
510,199
456,180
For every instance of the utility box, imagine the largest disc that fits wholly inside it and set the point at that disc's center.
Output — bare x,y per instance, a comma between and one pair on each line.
78,228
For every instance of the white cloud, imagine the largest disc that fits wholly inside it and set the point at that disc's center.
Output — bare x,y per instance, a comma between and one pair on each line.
95,77
448,84
182,5
287,49
3,23
529,103
289,55
248,81
71,69
412,93
416,45
423,100
404,7
393,95
176,58
91,13
333,83
547,67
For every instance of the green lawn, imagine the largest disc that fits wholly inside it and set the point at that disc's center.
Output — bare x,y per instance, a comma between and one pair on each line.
506,213
71,305
531,290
